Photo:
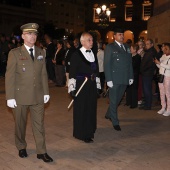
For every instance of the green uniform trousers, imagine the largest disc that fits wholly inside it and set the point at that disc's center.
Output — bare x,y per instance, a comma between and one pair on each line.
115,95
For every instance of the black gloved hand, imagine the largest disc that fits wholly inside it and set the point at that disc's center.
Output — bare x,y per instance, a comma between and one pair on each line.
73,94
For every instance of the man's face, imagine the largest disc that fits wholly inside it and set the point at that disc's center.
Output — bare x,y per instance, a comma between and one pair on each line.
148,44
29,38
87,42
119,37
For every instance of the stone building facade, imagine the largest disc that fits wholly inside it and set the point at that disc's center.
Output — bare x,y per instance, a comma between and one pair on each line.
159,23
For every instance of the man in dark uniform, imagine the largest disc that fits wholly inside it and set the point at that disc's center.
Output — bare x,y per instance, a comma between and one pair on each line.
26,86
118,72
84,64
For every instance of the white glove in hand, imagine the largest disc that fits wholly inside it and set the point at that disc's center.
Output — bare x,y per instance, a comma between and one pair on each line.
46,98
130,81
110,84
11,103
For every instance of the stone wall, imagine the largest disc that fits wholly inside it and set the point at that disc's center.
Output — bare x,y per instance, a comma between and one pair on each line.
158,25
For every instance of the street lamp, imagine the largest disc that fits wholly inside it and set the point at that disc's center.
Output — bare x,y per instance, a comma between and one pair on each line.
104,14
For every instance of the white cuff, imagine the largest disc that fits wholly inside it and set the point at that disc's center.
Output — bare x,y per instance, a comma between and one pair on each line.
98,83
46,98
71,85
110,84
130,81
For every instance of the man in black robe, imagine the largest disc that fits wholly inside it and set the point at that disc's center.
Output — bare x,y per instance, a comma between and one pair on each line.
84,64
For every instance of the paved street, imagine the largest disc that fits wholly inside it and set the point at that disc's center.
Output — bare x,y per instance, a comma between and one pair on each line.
143,143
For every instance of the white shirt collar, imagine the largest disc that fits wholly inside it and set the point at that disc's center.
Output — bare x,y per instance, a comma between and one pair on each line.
29,48
87,55
118,43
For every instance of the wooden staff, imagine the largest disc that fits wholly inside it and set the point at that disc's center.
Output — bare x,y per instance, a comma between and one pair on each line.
78,91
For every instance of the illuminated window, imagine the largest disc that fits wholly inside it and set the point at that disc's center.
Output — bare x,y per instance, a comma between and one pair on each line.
113,13
128,10
146,10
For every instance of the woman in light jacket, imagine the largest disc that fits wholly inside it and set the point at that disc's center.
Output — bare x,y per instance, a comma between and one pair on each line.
164,68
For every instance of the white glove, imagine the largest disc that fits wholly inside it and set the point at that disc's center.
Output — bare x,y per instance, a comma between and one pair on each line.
71,85
98,83
11,103
46,98
110,84
130,81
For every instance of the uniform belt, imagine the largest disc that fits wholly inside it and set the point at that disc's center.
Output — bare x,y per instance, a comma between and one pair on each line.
83,76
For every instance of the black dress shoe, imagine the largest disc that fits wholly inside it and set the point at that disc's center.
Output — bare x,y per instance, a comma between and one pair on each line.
108,118
88,140
23,153
45,157
117,127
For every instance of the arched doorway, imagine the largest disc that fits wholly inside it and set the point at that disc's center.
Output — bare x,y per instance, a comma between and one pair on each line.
109,37
143,35
128,35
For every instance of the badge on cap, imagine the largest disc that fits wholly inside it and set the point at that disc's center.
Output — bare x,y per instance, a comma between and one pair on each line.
34,26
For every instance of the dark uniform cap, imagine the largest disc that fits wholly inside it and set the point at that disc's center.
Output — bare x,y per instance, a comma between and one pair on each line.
118,30
30,27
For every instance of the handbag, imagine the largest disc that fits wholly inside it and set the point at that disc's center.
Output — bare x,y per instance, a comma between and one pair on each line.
160,77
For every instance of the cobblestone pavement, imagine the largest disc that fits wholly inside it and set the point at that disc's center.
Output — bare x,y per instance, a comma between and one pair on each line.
143,143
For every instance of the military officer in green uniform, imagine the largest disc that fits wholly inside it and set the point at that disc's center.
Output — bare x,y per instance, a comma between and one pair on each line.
26,87
118,72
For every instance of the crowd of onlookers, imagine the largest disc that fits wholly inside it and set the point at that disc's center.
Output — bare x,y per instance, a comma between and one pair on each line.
148,61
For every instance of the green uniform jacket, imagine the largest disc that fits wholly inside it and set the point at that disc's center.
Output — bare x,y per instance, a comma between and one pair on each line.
26,80
118,64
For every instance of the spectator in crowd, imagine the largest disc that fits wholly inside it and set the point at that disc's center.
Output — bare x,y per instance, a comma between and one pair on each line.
50,53
76,43
70,50
164,68
118,73
129,42
158,56
141,52
60,64
147,69
132,90
163,47
104,45
4,49
84,64
26,86
100,57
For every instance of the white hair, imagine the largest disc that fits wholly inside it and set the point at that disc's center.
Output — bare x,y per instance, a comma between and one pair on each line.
83,35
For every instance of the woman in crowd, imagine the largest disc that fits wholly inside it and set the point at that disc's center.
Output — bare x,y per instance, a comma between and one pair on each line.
164,68
132,90
70,50
141,52
59,64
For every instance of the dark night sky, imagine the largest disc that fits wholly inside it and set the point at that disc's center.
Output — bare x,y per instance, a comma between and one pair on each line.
19,3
